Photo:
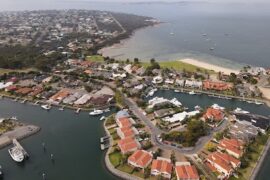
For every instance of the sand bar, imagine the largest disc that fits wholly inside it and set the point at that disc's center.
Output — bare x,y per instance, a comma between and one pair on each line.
209,66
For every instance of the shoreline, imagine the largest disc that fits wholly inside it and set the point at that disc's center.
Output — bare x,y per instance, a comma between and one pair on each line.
18,133
209,66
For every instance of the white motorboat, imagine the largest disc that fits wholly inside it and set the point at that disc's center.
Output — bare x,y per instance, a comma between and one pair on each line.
107,110
78,110
46,107
1,173
240,111
14,118
16,154
151,93
96,112
259,103
197,108
191,93
61,108
176,90
102,118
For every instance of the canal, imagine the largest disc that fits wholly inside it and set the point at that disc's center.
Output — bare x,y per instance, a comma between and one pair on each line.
72,138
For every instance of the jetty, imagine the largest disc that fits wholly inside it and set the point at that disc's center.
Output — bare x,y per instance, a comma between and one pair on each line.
105,138
18,133
17,144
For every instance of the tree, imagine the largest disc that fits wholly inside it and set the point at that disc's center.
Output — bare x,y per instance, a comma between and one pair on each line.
210,147
173,158
136,61
146,173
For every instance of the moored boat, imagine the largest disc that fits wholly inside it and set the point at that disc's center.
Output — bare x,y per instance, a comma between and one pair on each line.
46,107
240,111
192,93
102,118
96,112
16,154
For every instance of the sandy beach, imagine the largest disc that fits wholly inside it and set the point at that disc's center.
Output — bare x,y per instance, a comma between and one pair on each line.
209,66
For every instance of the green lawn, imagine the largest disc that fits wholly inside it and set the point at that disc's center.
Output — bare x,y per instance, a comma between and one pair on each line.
2,71
178,65
115,158
125,168
95,58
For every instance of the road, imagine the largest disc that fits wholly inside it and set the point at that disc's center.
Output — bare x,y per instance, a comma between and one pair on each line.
155,132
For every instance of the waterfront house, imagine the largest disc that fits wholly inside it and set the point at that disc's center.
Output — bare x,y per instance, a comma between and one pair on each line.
126,132
243,131
213,116
121,114
83,100
186,171
261,122
179,117
180,82
193,84
232,146
162,166
223,163
36,91
59,96
140,159
11,88
128,145
124,122
218,86
23,91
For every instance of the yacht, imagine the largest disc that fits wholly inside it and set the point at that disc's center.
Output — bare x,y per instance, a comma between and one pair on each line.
61,108
258,103
1,173
102,118
191,93
78,110
16,154
151,93
240,111
46,107
96,112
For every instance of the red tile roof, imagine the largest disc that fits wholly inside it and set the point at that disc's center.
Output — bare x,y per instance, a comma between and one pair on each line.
220,86
60,95
232,145
128,145
124,122
186,172
141,158
24,90
213,114
162,166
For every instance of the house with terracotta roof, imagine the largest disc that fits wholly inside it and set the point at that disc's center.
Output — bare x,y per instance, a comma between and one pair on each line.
36,90
223,163
124,122
233,147
213,116
140,159
163,167
186,171
59,96
11,88
24,91
128,145
126,132
218,86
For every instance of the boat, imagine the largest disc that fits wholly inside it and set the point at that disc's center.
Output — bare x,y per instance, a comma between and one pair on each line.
102,118
23,101
107,110
216,106
61,108
46,107
250,102
176,90
259,103
16,154
191,93
96,112
78,110
197,108
13,118
1,172
212,49
240,111
151,93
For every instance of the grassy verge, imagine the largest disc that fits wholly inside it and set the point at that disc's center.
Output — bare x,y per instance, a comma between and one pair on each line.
95,58
178,65
251,157
3,71
115,158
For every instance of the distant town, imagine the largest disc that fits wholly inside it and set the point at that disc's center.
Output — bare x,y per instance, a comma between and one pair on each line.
149,136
